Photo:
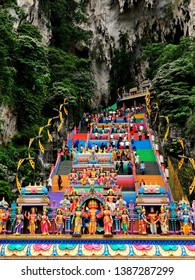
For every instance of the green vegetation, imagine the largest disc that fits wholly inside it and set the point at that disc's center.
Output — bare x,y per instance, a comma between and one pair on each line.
35,78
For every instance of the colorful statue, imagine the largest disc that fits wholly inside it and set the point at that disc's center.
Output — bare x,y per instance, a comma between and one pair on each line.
3,219
59,221
110,199
187,220
32,217
73,199
125,221
108,221
163,219
101,179
73,177
18,222
77,221
153,218
45,223
121,203
84,177
65,203
142,221
92,213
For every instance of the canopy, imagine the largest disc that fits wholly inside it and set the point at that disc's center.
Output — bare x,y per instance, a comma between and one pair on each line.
111,108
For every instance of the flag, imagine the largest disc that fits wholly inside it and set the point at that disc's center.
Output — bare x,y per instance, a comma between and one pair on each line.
192,162
167,133
61,117
41,147
18,184
191,187
40,130
181,142
180,163
49,136
31,162
19,163
30,142
61,107
167,119
65,111
60,126
156,117
49,121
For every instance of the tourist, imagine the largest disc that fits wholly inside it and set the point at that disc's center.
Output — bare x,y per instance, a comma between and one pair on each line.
59,182
142,168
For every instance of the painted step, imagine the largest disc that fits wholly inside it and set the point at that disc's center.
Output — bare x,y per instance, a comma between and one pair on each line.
151,179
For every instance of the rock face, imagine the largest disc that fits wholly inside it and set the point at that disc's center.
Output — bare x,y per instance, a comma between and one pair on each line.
7,124
35,17
161,20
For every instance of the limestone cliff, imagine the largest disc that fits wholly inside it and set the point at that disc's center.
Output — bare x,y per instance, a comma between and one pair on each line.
36,17
160,20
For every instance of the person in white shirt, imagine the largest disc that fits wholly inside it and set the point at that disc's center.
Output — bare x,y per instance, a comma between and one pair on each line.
142,168
96,135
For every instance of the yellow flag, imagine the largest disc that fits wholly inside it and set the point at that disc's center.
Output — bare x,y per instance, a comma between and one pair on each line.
18,184
166,134
192,162
60,125
167,119
31,162
180,163
19,163
181,142
60,114
60,107
41,147
156,117
191,187
40,130
65,110
49,121
49,135
148,111
30,142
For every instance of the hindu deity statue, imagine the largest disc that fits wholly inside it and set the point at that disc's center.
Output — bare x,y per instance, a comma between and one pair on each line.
121,203
143,221
101,179
59,221
73,199
153,218
107,220
125,221
163,219
110,200
3,219
18,222
84,177
32,217
187,221
93,214
65,203
73,176
45,223
77,221
112,176
93,173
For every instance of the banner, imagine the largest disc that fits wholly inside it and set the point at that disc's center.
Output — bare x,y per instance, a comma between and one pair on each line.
49,121
60,125
30,142
18,183
49,136
180,163
41,147
191,187
166,134
31,161
40,130
61,117
19,163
